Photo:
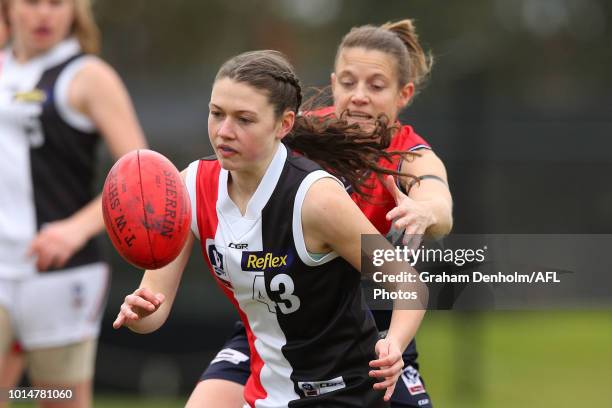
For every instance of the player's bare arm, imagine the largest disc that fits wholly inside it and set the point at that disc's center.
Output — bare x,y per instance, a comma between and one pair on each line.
429,205
332,221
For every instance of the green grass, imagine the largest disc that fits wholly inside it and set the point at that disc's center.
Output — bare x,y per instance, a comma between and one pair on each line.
518,359
497,360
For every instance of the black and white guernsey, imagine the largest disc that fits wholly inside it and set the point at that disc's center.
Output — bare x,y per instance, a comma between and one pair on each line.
48,154
309,332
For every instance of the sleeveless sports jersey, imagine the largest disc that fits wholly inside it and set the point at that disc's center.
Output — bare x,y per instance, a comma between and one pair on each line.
310,337
48,154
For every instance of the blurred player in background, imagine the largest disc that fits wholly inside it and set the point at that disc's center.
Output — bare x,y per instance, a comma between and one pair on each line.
13,359
57,100
312,341
378,70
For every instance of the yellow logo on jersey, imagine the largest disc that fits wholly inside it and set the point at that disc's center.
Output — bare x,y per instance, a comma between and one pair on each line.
35,96
254,262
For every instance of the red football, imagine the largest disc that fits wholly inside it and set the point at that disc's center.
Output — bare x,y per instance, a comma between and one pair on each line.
146,209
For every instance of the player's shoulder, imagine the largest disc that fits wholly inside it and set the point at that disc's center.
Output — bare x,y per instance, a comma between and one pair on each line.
300,163
94,68
207,164
408,139
324,195
94,79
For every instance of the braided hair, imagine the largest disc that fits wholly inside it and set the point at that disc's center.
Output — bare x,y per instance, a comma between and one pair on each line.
343,149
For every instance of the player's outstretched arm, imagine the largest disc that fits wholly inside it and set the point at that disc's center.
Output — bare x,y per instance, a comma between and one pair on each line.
332,222
147,308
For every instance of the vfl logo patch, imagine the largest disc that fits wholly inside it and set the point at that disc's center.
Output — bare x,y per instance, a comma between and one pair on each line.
314,388
216,260
261,261
412,380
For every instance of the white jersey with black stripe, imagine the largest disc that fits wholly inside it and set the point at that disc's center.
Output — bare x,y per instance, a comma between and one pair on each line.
310,336
22,103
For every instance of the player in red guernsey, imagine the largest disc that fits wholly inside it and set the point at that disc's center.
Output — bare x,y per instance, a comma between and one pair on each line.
377,71
282,239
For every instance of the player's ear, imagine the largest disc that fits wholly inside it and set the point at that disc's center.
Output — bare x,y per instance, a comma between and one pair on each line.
406,93
286,123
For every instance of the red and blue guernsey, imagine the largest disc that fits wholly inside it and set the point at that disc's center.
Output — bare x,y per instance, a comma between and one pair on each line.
309,333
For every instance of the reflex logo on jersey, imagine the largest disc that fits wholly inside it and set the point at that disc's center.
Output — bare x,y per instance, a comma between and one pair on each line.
261,261
314,388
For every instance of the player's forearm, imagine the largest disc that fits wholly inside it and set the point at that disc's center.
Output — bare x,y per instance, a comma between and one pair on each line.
442,210
166,281
149,324
89,218
404,326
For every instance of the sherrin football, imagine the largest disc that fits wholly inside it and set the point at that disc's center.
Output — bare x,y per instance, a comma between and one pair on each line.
146,207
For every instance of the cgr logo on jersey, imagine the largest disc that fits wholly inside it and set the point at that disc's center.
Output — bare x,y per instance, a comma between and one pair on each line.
238,246
261,261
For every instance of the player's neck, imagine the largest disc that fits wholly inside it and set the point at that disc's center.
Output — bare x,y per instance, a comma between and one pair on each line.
242,184
24,54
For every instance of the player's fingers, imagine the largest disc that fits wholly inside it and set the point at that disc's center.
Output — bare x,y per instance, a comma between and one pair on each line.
138,301
388,382
404,222
412,237
148,295
61,259
385,361
386,371
389,392
391,186
396,212
44,260
127,311
119,321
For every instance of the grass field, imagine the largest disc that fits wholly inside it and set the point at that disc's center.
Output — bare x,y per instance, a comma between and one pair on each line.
498,360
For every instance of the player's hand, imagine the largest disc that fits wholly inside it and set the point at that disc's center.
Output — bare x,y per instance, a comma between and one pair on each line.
409,216
388,366
55,243
137,305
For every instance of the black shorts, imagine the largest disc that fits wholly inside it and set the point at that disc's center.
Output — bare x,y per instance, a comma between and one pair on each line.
232,363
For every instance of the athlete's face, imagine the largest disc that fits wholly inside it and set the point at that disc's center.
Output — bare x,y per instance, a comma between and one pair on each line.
38,25
242,126
365,84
